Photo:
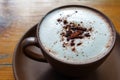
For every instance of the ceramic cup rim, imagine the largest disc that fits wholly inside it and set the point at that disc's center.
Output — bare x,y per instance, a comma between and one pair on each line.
87,62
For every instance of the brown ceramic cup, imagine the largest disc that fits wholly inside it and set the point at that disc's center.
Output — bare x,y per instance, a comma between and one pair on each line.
34,48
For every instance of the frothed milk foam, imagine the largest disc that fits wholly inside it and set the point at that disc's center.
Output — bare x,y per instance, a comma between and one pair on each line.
84,49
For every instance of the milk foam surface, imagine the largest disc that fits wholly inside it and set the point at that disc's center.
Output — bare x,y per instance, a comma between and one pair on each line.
91,48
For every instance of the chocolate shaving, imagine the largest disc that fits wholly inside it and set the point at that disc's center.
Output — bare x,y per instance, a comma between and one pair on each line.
79,44
87,34
65,22
90,29
59,20
73,49
72,43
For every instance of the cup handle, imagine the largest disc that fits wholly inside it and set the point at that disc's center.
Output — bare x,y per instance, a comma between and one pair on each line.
30,48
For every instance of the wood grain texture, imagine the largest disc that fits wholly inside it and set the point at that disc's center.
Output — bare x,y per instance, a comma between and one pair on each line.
17,16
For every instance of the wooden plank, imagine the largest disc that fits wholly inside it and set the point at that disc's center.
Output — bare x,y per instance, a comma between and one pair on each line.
6,72
5,58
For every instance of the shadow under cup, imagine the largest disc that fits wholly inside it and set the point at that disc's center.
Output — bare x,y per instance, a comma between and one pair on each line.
43,46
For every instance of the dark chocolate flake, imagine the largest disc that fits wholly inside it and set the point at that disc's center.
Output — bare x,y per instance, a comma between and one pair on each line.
78,24
79,44
72,43
59,20
90,29
87,34
65,27
65,21
73,49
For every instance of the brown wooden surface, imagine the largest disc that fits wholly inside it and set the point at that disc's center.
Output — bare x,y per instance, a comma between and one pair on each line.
17,16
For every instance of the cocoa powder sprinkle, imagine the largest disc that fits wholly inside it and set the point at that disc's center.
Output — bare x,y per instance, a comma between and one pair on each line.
72,31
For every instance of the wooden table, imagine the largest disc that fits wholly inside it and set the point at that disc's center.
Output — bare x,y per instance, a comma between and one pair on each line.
18,16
